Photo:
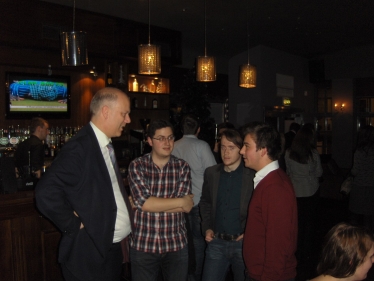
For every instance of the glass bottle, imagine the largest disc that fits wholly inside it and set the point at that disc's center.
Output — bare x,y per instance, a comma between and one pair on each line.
135,85
109,79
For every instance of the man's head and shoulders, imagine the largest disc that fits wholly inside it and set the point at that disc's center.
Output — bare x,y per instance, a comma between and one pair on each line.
110,113
191,129
160,137
39,130
262,147
230,145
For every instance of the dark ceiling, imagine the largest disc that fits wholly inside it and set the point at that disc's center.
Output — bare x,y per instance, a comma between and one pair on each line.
309,28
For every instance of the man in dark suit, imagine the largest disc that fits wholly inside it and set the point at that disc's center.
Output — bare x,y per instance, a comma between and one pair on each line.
227,190
83,195
271,231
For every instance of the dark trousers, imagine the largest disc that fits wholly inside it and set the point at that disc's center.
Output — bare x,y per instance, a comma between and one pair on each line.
146,266
110,270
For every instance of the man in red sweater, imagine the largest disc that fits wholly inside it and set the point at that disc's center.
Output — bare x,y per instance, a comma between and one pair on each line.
271,231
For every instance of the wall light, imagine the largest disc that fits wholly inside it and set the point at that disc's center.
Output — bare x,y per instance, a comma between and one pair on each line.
340,106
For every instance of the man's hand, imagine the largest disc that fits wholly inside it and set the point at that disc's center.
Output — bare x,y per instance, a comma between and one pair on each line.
187,203
209,235
75,213
240,237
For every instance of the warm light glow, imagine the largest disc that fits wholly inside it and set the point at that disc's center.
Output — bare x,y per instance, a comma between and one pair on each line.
149,59
341,107
205,69
247,76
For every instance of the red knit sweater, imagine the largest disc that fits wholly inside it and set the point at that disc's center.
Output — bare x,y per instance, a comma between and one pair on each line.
270,236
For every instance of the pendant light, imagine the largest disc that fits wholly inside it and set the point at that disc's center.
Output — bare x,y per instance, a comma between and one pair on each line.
247,72
149,55
73,46
205,66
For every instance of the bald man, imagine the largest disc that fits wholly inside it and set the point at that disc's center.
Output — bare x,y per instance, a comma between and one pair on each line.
83,196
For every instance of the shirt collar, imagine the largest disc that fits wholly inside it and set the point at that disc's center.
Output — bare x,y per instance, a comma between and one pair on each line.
101,137
265,171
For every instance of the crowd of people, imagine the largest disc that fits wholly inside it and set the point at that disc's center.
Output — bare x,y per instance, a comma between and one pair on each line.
189,218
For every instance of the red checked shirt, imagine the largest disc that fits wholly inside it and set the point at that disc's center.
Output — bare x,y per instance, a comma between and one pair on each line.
158,232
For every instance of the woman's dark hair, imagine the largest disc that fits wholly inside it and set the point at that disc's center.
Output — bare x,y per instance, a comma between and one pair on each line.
302,146
233,136
365,139
345,248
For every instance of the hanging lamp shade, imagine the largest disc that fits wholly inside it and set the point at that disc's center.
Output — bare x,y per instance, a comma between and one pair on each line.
205,65
149,59
73,48
247,76
149,55
205,69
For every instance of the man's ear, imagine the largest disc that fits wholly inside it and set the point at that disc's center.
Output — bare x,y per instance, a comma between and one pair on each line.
264,151
149,140
105,111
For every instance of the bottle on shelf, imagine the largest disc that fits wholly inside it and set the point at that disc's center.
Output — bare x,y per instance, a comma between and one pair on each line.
109,78
135,85
160,87
154,103
152,88
145,102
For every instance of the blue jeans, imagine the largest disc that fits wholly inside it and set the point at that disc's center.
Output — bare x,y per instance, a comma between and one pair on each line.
146,266
198,241
220,254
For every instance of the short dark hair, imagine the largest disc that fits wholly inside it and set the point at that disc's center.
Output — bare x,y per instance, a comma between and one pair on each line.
233,136
225,125
265,136
36,122
190,124
345,248
295,127
156,125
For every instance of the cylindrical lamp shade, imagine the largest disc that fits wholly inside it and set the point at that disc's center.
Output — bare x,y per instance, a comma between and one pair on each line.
247,76
74,48
205,69
149,57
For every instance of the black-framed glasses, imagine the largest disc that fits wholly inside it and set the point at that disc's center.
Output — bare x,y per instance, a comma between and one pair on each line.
163,139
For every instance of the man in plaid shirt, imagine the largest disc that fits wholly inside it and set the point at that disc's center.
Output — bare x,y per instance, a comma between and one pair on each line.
160,185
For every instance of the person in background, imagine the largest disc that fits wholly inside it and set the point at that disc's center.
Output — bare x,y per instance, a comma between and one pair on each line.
288,139
362,194
304,169
39,130
216,150
83,194
199,156
160,185
270,235
347,255
227,190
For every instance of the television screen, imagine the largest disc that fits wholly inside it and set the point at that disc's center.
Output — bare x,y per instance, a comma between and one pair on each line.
30,95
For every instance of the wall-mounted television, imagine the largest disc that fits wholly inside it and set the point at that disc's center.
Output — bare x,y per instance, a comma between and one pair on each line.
34,95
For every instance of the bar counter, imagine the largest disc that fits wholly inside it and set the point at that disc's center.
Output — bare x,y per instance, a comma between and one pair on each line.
28,241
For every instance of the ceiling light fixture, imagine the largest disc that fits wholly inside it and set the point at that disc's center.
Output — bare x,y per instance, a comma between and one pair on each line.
205,66
74,46
149,55
247,72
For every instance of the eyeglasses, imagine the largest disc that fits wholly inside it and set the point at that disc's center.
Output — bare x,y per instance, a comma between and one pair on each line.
163,139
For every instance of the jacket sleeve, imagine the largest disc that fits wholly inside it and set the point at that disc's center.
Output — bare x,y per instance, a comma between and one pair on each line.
206,205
